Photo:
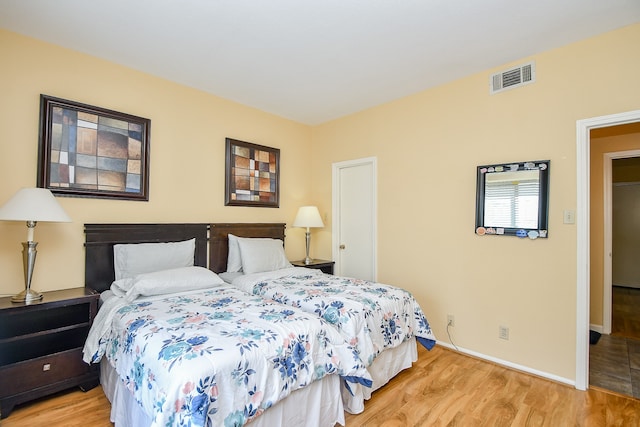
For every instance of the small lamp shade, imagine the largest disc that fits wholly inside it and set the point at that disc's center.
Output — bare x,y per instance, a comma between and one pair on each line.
308,216
33,204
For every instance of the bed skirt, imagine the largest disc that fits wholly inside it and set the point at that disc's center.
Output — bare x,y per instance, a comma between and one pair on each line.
386,366
317,405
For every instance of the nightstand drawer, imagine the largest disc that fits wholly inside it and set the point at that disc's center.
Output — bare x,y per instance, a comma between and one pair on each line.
46,370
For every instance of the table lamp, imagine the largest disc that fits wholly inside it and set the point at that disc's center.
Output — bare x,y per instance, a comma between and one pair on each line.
31,205
308,216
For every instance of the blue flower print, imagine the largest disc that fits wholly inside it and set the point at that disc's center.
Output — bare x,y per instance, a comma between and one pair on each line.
199,409
337,304
222,302
175,350
332,315
221,316
252,334
234,419
197,340
137,374
136,324
287,367
299,352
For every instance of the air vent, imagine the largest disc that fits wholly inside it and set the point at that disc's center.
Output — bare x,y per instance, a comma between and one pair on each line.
512,78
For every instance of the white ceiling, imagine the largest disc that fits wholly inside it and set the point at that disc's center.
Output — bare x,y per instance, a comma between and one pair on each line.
313,61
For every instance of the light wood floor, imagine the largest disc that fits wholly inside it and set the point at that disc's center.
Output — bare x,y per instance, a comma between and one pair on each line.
443,388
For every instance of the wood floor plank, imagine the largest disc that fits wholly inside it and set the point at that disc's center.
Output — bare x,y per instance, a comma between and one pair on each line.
443,388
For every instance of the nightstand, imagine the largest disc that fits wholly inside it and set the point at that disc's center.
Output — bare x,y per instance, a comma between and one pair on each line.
41,346
319,264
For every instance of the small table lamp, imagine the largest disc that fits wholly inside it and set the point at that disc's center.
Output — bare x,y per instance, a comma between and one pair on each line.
308,216
31,205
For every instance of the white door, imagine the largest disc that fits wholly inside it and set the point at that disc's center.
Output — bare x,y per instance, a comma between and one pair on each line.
607,172
354,213
625,267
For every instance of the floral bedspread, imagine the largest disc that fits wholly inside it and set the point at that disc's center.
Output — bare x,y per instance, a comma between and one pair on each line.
371,316
218,357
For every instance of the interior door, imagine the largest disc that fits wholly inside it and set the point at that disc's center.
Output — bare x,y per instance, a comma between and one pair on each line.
354,231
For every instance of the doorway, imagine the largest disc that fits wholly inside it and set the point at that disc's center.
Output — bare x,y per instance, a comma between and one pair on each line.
610,187
614,242
583,129
355,218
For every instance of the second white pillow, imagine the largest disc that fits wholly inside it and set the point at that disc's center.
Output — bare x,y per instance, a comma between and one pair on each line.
262,254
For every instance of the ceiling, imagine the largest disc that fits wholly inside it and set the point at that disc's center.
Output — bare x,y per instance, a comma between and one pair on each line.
314,61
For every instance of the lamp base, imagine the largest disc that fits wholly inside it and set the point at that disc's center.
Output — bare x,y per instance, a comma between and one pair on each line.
308,260
27,296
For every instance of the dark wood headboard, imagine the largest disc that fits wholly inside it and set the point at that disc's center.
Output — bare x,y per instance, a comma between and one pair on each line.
100,238
219,242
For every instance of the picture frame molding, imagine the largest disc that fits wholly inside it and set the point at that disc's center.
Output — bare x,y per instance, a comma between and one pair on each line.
47,104
230,143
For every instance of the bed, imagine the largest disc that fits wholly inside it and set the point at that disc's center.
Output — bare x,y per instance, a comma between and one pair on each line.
177,346
382,321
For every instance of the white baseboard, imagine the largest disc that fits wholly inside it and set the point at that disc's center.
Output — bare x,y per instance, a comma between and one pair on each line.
511,365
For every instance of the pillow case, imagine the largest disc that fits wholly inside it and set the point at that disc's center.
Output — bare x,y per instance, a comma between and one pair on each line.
165,282
262,254
234,262
132,259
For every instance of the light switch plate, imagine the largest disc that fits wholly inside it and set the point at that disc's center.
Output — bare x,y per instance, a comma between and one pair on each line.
569,217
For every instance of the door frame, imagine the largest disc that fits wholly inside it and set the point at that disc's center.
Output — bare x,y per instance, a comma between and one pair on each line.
337,221
583,140
608,233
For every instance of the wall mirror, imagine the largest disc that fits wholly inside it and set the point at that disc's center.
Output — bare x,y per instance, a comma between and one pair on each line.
513,199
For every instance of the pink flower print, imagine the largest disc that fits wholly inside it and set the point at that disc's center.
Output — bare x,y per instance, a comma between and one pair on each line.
188,387
179,404
257,397
196,319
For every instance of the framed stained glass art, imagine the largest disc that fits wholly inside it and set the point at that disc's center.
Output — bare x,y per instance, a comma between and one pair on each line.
252,175
88,151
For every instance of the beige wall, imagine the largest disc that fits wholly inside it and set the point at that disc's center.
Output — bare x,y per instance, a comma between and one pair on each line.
425,221
607,140
188,130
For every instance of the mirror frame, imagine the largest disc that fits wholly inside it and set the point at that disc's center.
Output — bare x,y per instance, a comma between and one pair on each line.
543,199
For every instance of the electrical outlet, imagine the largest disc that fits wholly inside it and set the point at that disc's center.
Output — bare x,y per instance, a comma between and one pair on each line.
503,333
451,320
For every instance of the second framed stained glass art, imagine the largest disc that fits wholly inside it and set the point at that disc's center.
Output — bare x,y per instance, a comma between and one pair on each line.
252,175
89,151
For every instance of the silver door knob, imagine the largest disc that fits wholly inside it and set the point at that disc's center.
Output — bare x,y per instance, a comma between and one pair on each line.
342,246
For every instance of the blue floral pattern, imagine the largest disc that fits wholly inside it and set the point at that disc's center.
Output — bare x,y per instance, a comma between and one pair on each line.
371,316
200,360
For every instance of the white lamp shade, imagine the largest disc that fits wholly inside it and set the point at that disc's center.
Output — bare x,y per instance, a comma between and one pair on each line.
308,216
33,204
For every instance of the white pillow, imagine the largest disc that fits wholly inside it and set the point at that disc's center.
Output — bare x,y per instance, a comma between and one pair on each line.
234,262
133,259
261,254
165,282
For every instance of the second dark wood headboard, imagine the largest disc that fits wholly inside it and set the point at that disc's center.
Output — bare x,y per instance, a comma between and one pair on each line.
100,238
219,242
